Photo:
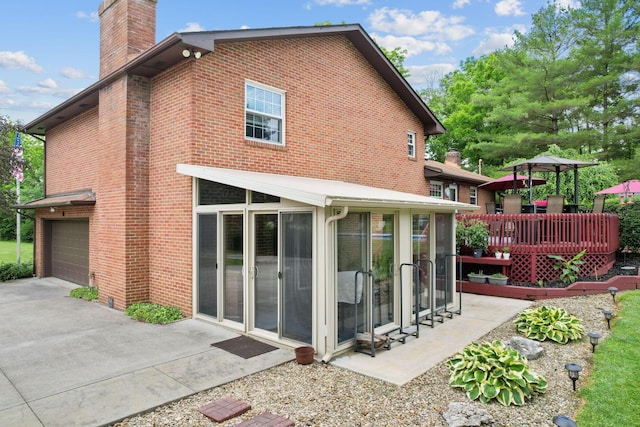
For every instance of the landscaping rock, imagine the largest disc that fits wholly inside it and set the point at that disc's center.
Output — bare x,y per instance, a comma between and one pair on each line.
464,414
528,348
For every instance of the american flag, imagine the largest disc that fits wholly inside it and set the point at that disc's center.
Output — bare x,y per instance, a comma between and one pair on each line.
17,158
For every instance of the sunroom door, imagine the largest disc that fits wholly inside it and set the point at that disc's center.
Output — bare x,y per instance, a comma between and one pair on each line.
283,274
233,268
265,271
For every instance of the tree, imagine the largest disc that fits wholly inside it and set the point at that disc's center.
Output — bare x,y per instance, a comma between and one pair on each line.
535,100
397,56
8,131
464,119
31,188
607,50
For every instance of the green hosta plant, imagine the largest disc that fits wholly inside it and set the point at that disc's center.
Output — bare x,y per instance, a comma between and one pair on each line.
494,371
549,323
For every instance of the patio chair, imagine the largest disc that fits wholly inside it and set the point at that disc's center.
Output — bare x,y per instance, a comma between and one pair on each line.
555,203
598,203
490,207
512,204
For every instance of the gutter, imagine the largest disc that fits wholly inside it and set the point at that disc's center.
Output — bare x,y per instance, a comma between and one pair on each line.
343,213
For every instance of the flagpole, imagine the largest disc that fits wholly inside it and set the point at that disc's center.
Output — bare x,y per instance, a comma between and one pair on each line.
18,222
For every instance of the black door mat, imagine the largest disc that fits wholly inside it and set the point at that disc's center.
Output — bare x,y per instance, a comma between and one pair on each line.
244,347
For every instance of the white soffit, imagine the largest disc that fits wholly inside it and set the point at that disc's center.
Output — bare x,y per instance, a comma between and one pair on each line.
320,192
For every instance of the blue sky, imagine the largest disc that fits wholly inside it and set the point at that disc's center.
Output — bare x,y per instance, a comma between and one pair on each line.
49,49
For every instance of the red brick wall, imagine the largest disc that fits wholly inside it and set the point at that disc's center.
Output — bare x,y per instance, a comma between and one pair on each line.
170,201
127,28
73,155
342,122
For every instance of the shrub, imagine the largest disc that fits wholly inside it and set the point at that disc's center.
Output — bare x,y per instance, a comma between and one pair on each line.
88,293
629,217
15,271
494,371
153,313
551,323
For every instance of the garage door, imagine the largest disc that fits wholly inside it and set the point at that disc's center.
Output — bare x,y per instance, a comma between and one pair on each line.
70,251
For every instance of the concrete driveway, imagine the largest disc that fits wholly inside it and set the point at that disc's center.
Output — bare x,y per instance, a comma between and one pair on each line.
66,362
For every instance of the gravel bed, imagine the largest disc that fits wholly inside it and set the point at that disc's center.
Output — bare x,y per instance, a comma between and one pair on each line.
326,395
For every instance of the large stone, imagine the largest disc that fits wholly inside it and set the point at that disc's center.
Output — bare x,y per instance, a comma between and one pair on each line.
466,415
528,348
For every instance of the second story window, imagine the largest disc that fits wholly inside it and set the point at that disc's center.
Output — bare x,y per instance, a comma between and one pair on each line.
435,189
264,113
473,195
411,144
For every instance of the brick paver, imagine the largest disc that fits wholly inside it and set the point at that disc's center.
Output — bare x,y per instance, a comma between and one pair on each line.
224,409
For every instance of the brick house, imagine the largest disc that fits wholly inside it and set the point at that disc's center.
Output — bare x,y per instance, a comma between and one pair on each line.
450,182
245,176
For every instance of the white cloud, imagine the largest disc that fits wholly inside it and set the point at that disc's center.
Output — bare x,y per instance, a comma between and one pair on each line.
426,23
91,17
342,2
496,41
191,27
47,87
48,84
459,4
3,87
509,8
18,60
569,4
428,75
414,46
73,73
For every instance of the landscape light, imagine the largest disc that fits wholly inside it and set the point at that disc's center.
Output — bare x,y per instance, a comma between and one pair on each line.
562,421
613,291
574,372
593,339
607,315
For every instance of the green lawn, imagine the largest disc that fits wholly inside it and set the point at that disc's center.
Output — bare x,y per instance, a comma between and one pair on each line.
613,396
8,252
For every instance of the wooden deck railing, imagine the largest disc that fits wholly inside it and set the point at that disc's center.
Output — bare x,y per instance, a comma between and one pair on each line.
531,237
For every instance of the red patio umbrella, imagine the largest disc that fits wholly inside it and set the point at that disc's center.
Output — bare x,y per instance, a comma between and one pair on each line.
626,188
506,182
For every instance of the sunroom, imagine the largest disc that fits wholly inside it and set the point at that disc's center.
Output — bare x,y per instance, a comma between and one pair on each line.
304,261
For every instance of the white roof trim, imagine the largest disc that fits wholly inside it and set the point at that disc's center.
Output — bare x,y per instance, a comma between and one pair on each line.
320,192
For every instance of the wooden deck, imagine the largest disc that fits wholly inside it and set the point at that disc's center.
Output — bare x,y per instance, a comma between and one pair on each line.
531,237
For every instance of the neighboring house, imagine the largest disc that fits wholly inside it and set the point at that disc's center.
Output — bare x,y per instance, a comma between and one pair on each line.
245,176
449,181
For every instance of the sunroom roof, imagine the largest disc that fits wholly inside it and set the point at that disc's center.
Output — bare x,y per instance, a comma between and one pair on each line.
320,192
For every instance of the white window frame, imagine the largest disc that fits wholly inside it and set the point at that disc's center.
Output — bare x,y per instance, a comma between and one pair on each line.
473,195
411,144
436,187
271,115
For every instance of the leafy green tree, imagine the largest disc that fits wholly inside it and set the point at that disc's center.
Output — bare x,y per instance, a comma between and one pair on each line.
607,50
464,119
397,56
31,188
536,98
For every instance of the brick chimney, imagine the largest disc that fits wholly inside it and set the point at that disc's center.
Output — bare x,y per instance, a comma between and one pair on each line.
452,158
127,28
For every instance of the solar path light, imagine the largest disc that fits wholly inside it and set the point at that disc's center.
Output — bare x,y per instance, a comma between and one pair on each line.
607,315
593,339
574,372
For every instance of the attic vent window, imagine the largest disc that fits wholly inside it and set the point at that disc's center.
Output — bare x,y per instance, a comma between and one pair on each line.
264,113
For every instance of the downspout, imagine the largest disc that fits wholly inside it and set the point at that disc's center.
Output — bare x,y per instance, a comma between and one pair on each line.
343,213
